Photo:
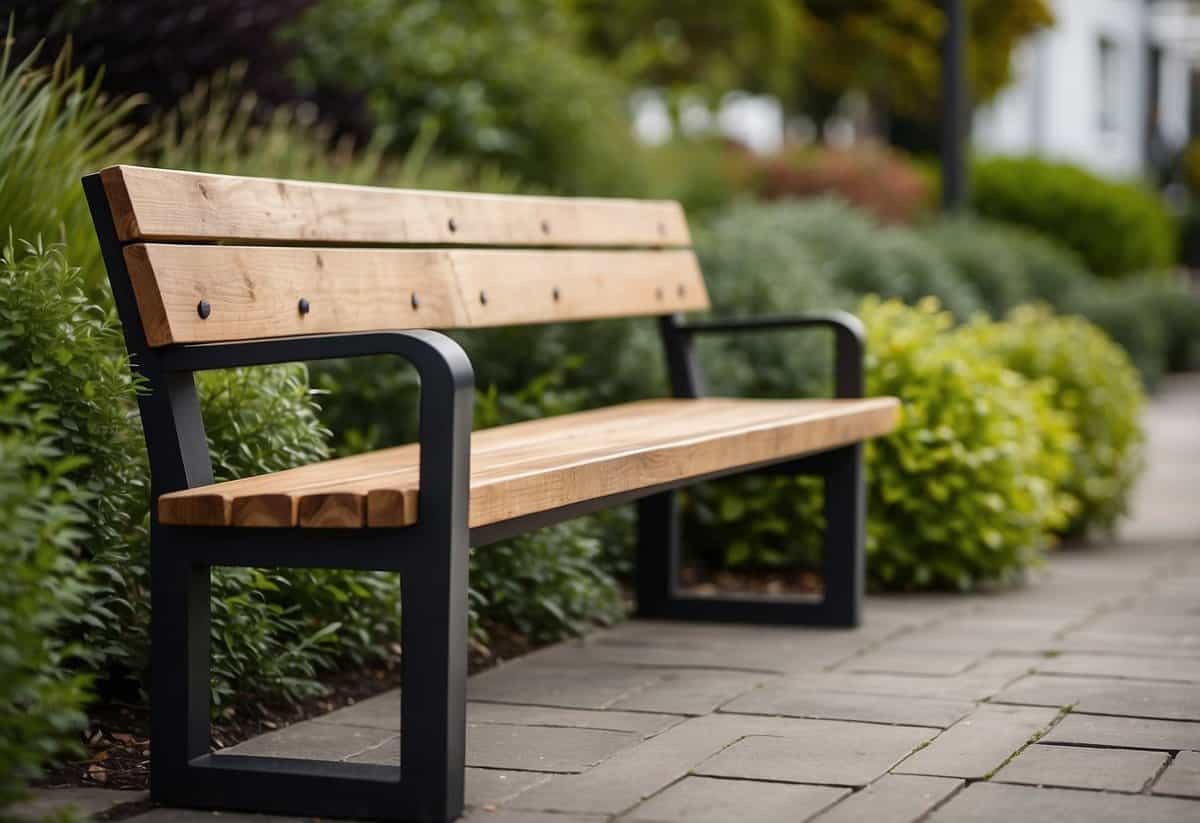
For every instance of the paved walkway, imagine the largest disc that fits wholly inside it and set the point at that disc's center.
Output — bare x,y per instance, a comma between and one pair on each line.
1074,698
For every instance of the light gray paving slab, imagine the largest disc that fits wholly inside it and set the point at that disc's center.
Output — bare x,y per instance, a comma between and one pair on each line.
980,742
490,787
832,752
1179,669
625,780
1071,767
960,687
84,802
583,687
1168,701
690,691
641,723
1182,777
526,748
1125,732
510,816
893,798
383,712
709,800
1004,803
312,741
839,705
910,661
1010,666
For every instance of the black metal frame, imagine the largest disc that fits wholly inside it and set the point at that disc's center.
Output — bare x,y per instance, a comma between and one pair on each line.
658,539
431,556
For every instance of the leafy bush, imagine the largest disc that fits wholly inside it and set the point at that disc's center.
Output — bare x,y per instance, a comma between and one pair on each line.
983,255
1116,227
1053,273
966,488
876,179
1130,320
502,82
1095,385
42,587
1168,303
964,492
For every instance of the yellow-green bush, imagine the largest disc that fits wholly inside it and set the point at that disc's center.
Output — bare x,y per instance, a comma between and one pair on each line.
965,490
1096,386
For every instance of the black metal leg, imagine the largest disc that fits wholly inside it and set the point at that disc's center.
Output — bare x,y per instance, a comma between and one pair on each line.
179,667
844,565
434,675
657,553
845,524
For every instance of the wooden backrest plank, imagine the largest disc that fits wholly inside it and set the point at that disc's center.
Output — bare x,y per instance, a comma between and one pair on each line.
178,206
255,291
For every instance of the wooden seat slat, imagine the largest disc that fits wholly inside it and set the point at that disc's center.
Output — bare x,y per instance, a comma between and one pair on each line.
164,204
254,292
544,464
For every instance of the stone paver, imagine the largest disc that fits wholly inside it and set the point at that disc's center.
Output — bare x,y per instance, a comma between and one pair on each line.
827,751
931,710
84,802
527,748
689,691
1178,669
1000,803
1182,777
1125,732
1070,767
707,800
894,798
1167,701
832,705
979,743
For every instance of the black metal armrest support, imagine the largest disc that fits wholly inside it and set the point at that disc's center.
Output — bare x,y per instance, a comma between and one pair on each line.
848,339
447,384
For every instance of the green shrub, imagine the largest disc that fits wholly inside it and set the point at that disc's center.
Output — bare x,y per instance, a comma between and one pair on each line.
503,82
1129,319
1167,303
42,587
1053,273
965,490
1095,385
983,255
1116,227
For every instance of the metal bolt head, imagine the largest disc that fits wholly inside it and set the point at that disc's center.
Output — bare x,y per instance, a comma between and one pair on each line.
453,226
682,290
416,301
658,293
556,294
545,227
203,309
303,305
483,298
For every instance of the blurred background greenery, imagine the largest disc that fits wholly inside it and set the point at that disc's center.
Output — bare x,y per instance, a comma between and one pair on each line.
1020,334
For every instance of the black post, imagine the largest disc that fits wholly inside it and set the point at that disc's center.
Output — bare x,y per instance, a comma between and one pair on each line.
955,106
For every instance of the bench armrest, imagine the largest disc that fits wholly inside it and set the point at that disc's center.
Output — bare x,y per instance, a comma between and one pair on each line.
848,339
447,390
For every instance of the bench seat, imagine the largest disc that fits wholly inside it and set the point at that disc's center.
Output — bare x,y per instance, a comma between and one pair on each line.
535,466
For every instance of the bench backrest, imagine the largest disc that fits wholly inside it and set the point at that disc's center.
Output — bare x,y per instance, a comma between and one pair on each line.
217,258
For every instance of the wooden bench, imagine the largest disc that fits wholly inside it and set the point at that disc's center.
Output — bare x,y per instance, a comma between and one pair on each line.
215,272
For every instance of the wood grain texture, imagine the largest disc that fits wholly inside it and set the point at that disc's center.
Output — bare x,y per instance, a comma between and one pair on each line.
543,464
254,291
161,204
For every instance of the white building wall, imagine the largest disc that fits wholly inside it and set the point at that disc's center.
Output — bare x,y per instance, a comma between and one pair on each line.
1063,104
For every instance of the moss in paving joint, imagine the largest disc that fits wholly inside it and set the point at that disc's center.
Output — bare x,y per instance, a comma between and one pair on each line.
1033,738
